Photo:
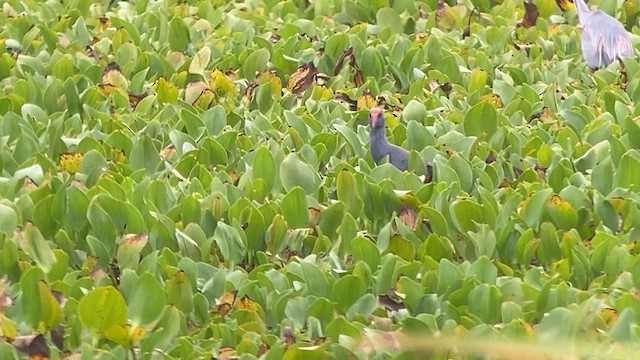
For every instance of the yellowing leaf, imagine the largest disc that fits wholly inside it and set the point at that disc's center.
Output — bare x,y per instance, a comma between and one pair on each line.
70,162
566,5
118,156
167,92
7,327
194,90
200,61
112,76
366,101
124,334
220,84
269,77
247,304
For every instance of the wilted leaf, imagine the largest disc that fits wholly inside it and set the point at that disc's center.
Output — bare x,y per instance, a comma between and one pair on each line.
302,78
530,14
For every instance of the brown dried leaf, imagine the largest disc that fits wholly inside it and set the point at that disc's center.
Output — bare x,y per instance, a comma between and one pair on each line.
228,297
344,99
530,14
57,336
314,216
227,353
346,53
168,151
288,336
408,216
33,345
358,78
389,303
302,78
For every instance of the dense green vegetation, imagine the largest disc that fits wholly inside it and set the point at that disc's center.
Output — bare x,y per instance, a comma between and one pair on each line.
188,180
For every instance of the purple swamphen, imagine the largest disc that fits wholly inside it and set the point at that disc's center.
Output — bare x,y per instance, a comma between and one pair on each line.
380,147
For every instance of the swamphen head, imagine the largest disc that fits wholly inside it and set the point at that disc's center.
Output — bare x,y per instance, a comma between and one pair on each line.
376,118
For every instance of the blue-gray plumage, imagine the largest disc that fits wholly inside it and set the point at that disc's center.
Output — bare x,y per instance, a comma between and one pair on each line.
604,40
380,147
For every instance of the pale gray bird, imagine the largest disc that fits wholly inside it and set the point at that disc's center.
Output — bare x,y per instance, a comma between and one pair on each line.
604,40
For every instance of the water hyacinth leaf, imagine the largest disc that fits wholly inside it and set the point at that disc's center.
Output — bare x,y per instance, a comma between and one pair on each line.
294,208
102,308
468,214
41,307
230,243
308,353
166,91
348,193
264,167
144,155
35,246
129,250
346,291
533,207
141,310
315,281
628,171
179,38
481,119
294,172
255,63
414,111
351,138
8,219
561,213
179,292
364,250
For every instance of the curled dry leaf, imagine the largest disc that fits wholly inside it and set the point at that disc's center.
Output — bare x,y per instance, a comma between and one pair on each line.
194,90
444,19
389,303
523,47
57,336
566,5
346,53
288,336
530,14
112,78
225,302
343,98
168,152
541,171
33,345
302,78
247,304
314,216
226,353
408,216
